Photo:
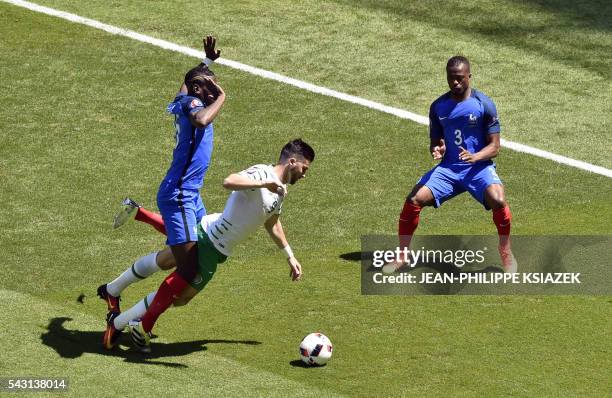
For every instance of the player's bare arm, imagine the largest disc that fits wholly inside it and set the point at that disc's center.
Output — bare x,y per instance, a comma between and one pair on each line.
214,96
437,148
237,182
275,229
183,89
488,152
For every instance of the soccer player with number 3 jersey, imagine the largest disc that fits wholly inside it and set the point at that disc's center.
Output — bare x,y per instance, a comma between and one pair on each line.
464,135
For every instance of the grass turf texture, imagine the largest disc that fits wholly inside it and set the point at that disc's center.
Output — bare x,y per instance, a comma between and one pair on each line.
85,125
546,63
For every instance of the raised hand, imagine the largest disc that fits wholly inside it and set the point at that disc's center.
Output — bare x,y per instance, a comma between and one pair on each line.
209,48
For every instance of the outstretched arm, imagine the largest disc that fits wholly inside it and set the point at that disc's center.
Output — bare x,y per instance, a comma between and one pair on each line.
275,229
239,182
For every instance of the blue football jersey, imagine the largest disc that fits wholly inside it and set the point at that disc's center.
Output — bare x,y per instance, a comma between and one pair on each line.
193,149
464,124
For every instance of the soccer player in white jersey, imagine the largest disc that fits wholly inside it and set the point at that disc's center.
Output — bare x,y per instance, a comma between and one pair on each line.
256,199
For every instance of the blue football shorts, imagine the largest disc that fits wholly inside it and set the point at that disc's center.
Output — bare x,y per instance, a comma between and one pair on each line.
446,182
182,210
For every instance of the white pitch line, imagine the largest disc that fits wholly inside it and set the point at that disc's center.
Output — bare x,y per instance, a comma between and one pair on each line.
401,113
579,164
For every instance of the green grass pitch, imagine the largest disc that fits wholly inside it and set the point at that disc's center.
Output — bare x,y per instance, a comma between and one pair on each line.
83,125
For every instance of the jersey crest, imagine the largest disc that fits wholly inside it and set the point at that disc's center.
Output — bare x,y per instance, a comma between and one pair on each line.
195,103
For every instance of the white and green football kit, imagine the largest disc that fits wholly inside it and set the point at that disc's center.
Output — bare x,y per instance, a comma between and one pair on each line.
244,212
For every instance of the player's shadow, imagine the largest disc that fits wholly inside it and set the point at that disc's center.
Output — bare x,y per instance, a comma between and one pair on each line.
357,256
74,343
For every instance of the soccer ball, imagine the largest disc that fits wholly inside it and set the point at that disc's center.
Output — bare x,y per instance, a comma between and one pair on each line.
316,349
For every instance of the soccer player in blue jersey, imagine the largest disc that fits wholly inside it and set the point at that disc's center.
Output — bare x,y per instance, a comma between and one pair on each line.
256,199
178,197
464,135
196,105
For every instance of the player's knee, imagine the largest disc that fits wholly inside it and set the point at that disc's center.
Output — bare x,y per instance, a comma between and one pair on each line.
495,197
417,200
187,272
188,269
412,200
497,201
420,196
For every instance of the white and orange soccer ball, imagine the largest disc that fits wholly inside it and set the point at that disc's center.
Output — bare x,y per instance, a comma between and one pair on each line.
316,349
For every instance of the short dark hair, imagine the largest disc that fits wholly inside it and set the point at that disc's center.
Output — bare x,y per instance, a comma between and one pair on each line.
197,75
297,148
456,61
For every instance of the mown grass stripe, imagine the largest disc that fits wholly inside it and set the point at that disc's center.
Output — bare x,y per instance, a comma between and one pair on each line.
47,336
401,113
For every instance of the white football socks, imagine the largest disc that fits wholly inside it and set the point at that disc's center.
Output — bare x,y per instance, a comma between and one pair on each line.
136,312
142,268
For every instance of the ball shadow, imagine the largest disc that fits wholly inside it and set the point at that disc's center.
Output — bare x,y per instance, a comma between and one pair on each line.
298,363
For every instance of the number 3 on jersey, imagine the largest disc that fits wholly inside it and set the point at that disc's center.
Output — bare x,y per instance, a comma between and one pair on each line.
458,137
